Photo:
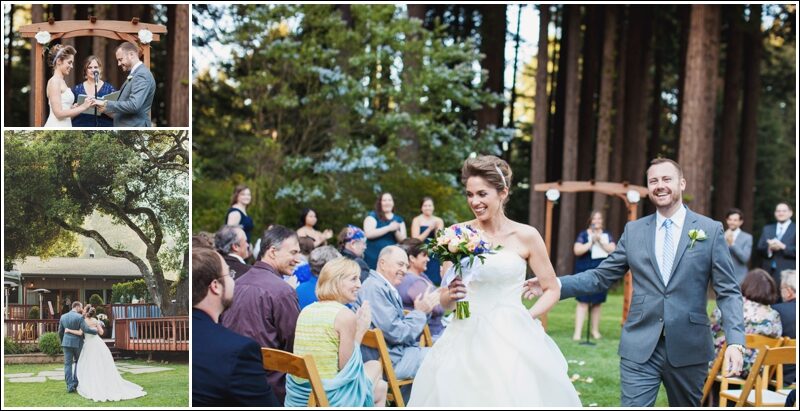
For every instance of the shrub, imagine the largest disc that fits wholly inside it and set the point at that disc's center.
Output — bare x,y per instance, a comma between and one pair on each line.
50,344
124,292
10,346
33,314
96,300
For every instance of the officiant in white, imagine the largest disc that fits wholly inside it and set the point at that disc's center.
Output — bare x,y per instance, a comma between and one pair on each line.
132,108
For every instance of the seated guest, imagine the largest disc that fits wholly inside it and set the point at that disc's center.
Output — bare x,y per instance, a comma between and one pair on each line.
265,307
226,368
303,270
332,334
788,312
416,282
307,292
231,242
400,330
203,239
352,244
758,292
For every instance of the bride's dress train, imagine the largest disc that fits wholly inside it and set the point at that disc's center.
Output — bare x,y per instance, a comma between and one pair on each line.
66,102
499,356
98,378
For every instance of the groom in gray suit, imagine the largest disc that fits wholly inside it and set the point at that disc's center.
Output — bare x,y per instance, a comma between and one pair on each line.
71,344
673,256
132,108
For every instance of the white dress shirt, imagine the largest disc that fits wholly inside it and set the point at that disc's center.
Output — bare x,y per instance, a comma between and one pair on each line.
135,66
781,228
735,235
678,220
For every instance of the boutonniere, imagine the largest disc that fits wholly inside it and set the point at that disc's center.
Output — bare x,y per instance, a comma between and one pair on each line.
696,235
130,77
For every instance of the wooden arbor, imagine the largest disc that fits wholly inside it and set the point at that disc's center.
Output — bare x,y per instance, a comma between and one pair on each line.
630,194
115,30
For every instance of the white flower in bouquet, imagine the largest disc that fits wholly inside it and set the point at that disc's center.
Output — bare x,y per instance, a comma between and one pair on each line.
43,37
145,36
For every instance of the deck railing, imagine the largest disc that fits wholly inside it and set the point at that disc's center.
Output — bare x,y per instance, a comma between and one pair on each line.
152,334
28,331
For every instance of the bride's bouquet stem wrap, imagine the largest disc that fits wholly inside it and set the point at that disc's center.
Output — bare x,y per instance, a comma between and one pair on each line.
460,245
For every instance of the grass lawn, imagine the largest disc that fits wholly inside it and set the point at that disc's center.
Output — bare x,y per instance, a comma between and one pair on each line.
164,389
600,361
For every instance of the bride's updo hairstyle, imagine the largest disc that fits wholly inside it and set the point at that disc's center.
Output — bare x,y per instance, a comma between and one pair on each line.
493,169
89,311
60,52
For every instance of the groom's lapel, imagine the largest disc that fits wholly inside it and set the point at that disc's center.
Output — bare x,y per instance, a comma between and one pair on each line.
651,247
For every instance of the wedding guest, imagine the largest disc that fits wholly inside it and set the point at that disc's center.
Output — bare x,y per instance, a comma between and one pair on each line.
758,293
92,74
59,95
383,228
203,239
416,282
226,367
265,307
788,312
591,247
308,219
352,243
331,333
237,213
307,291
231,242
401,331
303,270
777,243
740,243
424,228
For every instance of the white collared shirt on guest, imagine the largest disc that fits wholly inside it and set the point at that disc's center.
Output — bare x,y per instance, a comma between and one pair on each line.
781,228
391,286
678,219
238,257
736,235
135,66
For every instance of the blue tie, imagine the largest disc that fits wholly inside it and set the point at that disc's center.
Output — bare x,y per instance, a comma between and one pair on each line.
779,232
669,252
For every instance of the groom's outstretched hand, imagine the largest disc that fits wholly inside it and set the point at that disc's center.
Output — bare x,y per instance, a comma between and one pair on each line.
733,360
532,288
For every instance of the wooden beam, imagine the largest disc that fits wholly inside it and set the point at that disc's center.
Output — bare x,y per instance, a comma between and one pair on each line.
104,33
597,187
39,93
67,26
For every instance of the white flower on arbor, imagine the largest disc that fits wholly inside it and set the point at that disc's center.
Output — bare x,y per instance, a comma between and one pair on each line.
43,37
145,36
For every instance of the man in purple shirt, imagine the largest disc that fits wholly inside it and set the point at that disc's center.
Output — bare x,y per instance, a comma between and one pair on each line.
265,307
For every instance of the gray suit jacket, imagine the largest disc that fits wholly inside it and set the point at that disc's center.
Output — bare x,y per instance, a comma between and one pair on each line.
132,108
740,254
400,330
73,321
677,309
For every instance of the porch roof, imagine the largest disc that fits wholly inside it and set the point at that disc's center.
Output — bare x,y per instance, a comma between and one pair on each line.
78,267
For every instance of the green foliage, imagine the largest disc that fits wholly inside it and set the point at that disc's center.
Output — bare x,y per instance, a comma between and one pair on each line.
124,292
33,314
96,301
10,347
50,344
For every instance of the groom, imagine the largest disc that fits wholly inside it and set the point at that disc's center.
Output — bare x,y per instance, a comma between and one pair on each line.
673,255
132,108
71,344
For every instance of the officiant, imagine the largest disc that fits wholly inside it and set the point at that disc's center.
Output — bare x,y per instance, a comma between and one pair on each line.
92,86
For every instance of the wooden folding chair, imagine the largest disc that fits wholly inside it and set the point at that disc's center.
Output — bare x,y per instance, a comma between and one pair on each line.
754,391
425,339
301,367
374,339
776,376
713,373
751,341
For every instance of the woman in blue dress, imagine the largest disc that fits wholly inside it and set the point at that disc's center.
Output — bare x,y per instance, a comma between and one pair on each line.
424,228
237,213
591,247
383,227
87,88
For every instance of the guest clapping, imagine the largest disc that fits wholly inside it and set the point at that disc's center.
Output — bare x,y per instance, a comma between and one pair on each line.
308,219
383,228
416,282
352,243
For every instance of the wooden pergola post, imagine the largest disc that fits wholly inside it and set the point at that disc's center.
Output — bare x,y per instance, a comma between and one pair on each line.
619,190
111,29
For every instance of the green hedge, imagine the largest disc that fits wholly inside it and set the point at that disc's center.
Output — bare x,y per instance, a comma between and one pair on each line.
95,300
50,344
124,292
33,314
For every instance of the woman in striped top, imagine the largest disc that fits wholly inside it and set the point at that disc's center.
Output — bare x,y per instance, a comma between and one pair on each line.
332,333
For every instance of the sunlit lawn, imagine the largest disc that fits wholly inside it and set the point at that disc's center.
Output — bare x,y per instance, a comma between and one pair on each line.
164,389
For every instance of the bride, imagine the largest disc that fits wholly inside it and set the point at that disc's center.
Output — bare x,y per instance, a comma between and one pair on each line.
59,95
500,355
98,378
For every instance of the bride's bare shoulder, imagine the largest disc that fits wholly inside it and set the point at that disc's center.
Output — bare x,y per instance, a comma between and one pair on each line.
525,231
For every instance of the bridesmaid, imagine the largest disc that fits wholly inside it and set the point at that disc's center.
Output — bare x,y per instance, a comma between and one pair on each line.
424,228
237,213
383,227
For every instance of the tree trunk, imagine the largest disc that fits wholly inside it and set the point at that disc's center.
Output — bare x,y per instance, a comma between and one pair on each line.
409,154
590,80
683,15
493,46
727,168
654,145
617,213
697,127
566,230
347,15
177,66
637,94
7,69
68,13
603,149
99,44
37,16
752,94
536,204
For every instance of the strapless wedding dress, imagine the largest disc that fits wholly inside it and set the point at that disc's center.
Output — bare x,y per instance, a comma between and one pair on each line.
499,356
98,378
66,103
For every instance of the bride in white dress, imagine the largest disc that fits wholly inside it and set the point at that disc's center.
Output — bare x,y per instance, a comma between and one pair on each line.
98,378
59,95
500,355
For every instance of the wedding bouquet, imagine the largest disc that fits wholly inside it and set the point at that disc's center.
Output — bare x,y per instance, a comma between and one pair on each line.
460,245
